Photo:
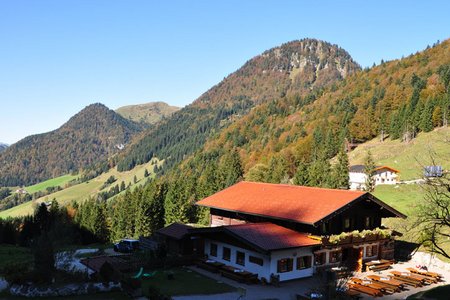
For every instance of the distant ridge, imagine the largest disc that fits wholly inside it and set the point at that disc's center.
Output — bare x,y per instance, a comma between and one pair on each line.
3,147
90,136
147,113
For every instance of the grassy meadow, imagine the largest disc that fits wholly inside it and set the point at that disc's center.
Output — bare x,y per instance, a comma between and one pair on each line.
408,158
83,190
58,181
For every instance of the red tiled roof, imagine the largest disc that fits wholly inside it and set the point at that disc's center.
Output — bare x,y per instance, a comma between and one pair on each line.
268,236
175,230
298,203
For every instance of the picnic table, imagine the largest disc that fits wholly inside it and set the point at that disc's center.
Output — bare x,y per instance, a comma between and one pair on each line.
385,288
379,265
407,278
425,273
388,280
209,265
238,274
365,289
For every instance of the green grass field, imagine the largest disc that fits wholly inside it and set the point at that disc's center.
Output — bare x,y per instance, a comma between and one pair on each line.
83,190
10,254
58,181
185,282
403,197
408,158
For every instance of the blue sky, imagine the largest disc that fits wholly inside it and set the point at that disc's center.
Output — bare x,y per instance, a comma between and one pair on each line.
57,57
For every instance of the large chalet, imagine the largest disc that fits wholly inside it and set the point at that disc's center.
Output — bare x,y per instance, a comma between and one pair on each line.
293,231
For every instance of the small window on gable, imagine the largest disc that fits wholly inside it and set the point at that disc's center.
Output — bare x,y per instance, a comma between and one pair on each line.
347,222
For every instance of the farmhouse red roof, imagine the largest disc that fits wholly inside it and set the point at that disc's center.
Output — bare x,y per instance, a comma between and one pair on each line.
268,236
298,203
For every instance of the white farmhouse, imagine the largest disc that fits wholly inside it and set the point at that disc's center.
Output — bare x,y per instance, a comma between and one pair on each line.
383,175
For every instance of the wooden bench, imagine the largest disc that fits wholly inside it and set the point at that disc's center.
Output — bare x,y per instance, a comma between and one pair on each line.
365,289
379,265
407,280
373,284
425,273
388,280
213,267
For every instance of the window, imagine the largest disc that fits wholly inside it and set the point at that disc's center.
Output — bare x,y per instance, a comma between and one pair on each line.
285,265
347,222
368,222
335,256
256,260
324,227
226,253
371,250
213,250
319,258
240,258
303,262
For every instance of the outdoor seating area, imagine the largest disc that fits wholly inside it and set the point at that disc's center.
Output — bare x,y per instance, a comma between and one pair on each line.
379,265
393,282
230,272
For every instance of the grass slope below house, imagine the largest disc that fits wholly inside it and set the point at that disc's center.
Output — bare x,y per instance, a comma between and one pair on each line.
437,293
403,197
10,255
98,296
84,190
184,282
42,186
408,158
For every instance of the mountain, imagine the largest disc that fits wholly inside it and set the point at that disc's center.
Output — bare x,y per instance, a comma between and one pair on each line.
295,67
147,113
3,147
395,100
92,135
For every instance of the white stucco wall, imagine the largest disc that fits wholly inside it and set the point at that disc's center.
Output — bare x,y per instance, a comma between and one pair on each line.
262,271
292,253
270,262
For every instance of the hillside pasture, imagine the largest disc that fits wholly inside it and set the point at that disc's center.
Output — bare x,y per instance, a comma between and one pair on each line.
408,158
84,190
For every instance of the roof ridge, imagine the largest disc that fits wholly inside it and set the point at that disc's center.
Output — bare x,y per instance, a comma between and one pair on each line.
303,186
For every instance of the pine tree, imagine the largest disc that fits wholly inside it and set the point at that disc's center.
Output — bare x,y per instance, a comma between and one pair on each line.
426,123
231,168
319,171
146,174
340,176
369,170
301,175
122,186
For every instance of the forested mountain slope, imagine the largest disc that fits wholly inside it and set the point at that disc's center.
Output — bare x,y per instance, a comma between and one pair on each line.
298,66
398,98
94,134
147,113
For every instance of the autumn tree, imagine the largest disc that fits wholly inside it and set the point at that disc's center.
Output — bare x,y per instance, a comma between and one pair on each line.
434,215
